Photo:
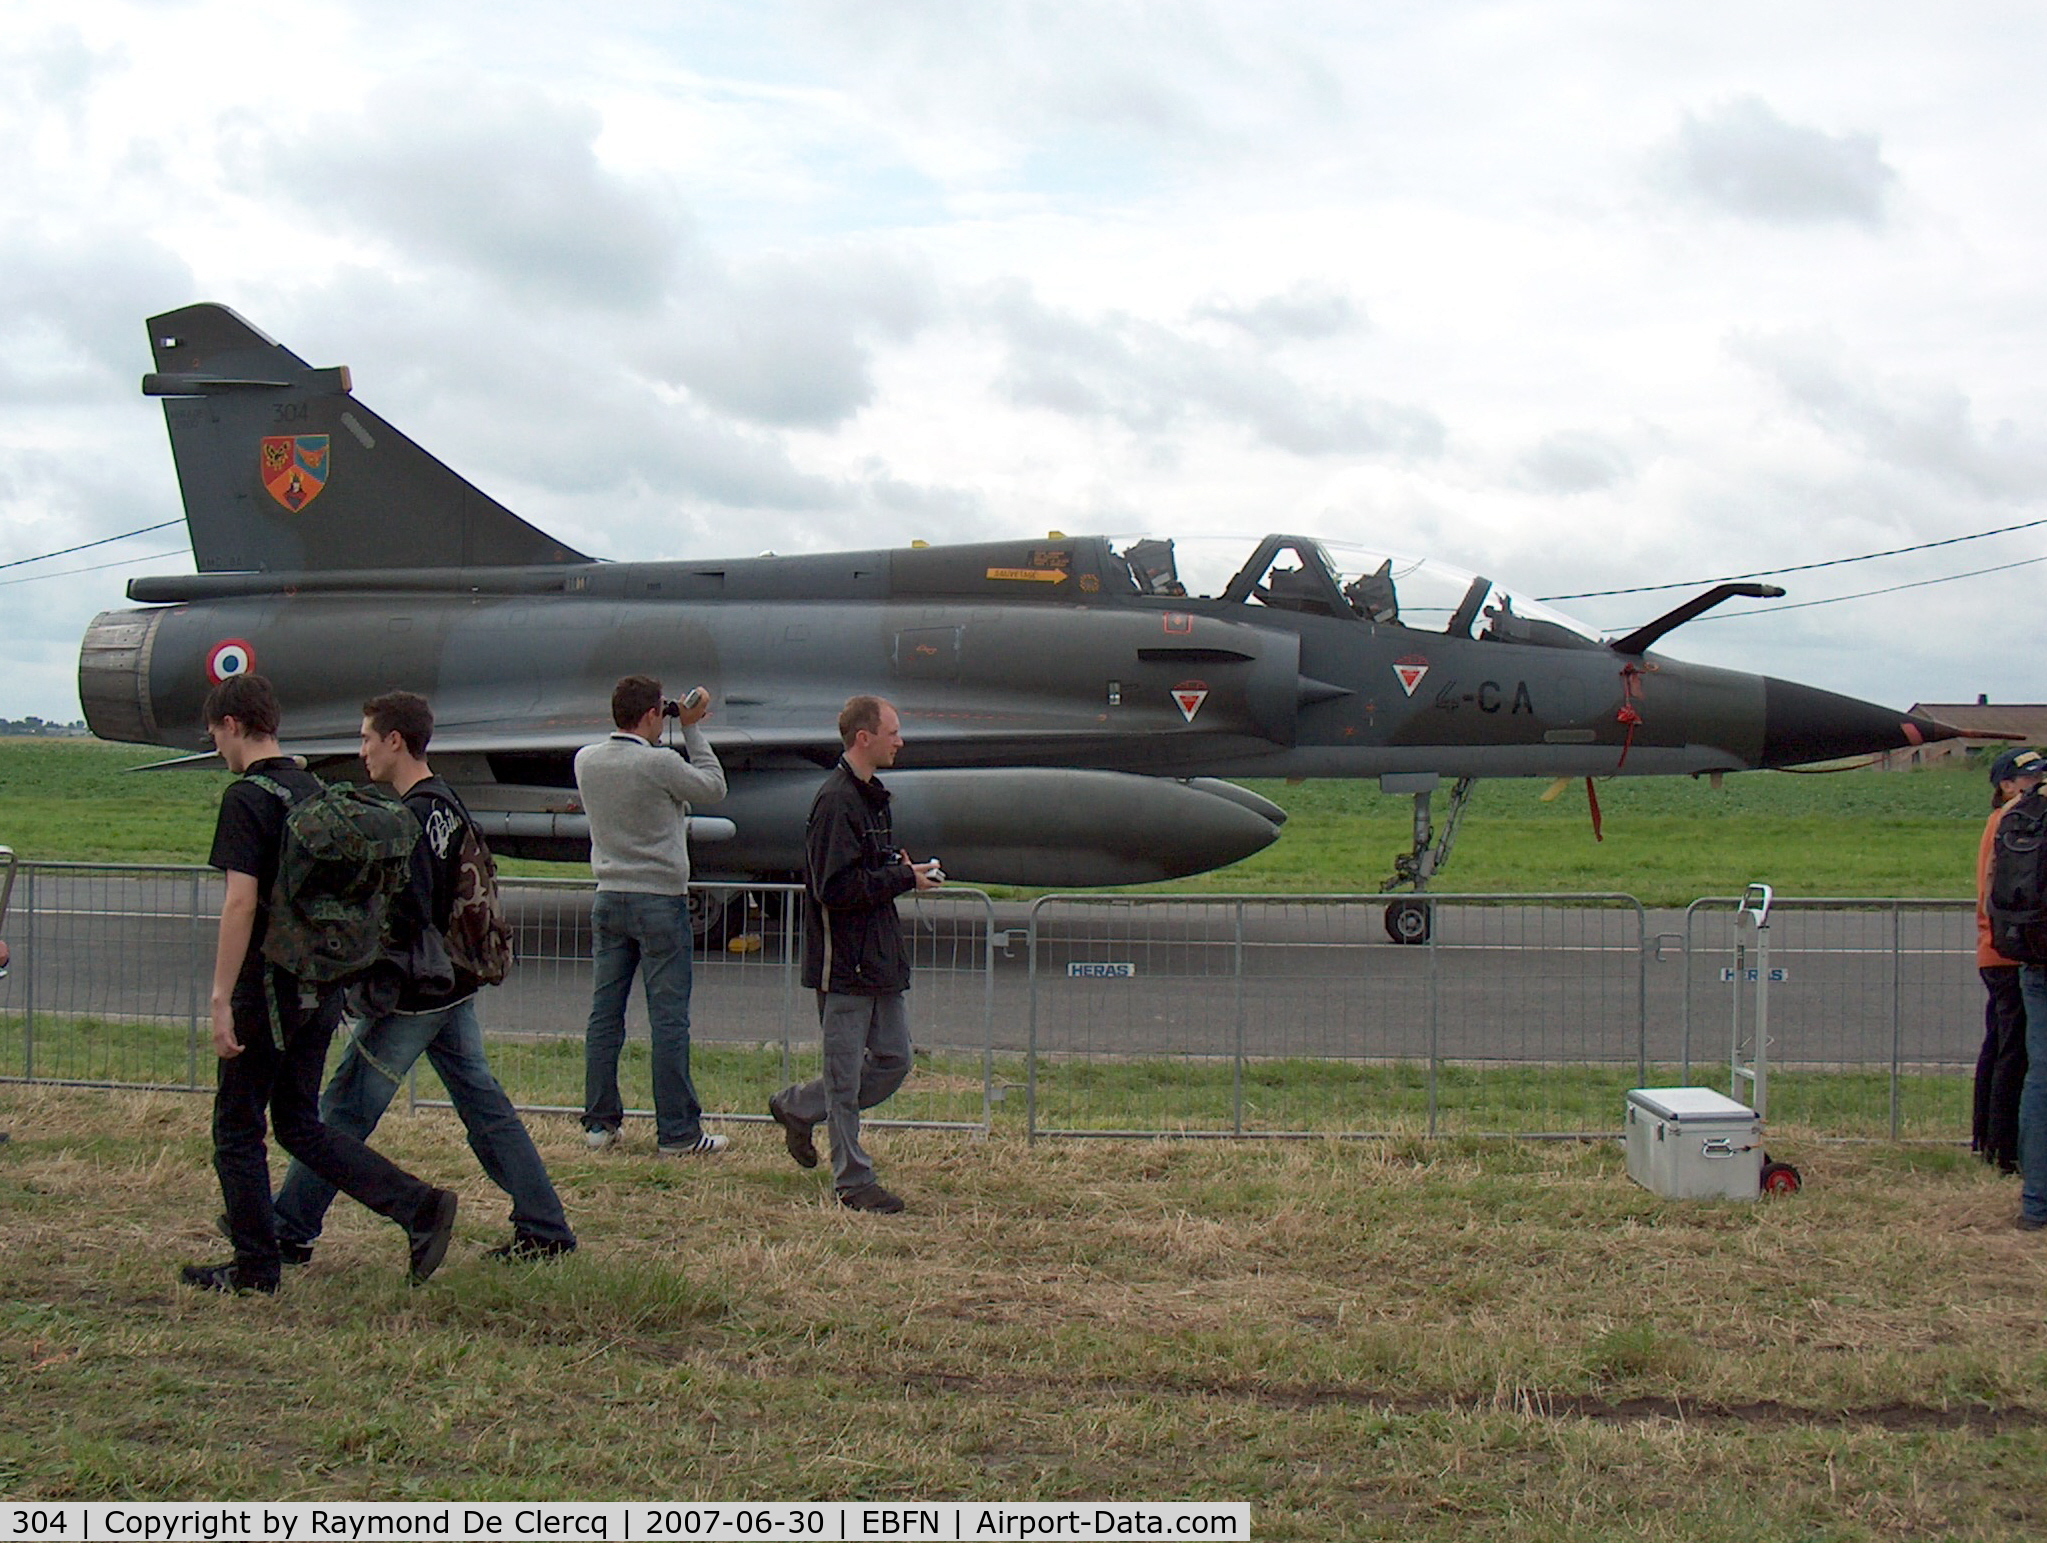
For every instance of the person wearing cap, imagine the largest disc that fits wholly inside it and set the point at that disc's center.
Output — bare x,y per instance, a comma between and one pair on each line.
2001,1064
2031,765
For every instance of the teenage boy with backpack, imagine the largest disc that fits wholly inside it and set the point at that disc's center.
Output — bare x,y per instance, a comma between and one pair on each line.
407,1015
271,1029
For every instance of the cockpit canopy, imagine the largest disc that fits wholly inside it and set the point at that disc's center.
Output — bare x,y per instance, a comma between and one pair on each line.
1298,573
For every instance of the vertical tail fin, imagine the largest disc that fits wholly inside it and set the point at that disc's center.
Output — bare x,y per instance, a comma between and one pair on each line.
283,470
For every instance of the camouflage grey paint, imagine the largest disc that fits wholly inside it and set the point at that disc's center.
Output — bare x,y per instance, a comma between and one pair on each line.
344,560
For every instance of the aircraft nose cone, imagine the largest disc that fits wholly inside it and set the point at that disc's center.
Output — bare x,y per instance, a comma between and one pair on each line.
1802,724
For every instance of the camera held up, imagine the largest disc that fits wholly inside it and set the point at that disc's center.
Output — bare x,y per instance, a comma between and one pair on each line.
670,708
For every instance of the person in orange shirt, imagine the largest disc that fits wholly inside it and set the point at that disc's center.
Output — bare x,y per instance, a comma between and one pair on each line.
2001,1065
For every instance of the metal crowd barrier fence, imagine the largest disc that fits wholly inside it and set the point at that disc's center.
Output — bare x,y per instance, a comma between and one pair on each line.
1259,1015
112,967
1876,1011
1212,1016
753,1029
113,970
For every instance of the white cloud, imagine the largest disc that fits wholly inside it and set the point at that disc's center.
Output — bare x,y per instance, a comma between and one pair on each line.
1082,102
71,330
1927,429
791,341
1305,312
1153,378
1744,158
489,178
1567,463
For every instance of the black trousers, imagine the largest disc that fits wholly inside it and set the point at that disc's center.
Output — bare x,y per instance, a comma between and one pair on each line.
2000,1068
277,1076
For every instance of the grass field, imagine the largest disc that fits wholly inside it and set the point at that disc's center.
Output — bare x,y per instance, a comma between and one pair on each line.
1380,1340
1193,1095
1399,1339
1668,840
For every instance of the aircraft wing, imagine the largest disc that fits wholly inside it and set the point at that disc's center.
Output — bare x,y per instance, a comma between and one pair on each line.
989,743
516,736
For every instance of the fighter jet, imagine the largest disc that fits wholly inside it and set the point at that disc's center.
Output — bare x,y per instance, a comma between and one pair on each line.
1073,705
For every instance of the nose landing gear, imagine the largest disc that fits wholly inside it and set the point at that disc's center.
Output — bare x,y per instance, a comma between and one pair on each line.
1411,919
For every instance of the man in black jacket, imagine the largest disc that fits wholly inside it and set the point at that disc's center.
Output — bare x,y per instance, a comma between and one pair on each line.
853,954
409,1018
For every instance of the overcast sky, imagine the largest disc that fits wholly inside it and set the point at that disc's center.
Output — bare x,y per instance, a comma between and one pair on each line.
1579,293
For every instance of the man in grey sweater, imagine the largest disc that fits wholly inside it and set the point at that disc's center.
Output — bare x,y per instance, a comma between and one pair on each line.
637,793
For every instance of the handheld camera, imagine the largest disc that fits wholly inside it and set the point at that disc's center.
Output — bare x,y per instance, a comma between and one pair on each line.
696,698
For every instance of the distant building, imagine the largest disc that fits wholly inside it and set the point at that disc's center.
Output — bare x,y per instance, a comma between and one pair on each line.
2026,722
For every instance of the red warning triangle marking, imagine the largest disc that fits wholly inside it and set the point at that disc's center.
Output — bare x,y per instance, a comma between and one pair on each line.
1410,676
1190,702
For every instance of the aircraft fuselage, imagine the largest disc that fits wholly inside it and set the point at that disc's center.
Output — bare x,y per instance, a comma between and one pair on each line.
341,560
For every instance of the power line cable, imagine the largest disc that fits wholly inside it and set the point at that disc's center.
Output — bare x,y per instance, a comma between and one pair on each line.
1892,589
20,562
62,573
1832,562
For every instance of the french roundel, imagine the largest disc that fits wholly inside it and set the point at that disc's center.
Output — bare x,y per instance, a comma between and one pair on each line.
230,657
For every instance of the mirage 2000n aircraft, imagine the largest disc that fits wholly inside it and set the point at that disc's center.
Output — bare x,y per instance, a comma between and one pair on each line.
1070,707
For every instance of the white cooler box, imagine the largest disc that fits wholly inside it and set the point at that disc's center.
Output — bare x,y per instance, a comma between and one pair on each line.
1694,1144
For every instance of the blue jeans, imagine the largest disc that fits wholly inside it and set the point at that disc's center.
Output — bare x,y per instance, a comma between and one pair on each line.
649,934
375,1063
2033,1101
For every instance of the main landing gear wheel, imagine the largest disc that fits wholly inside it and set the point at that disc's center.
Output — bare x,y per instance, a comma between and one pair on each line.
714,913
1408,921
1779,1178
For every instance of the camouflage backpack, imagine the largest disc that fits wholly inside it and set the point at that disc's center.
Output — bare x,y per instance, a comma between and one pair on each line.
347,852
478,938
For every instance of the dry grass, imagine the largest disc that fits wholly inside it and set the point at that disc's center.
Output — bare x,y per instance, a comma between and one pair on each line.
1366,1340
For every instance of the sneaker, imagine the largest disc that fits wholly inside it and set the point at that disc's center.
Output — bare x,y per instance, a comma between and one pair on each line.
795,1133
2027,1223
871,1197
601,1139
225,1277
288,1252
430,1234
525,1248
705,1145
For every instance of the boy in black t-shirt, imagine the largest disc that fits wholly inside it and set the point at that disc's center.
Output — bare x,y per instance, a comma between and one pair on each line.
271,1068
